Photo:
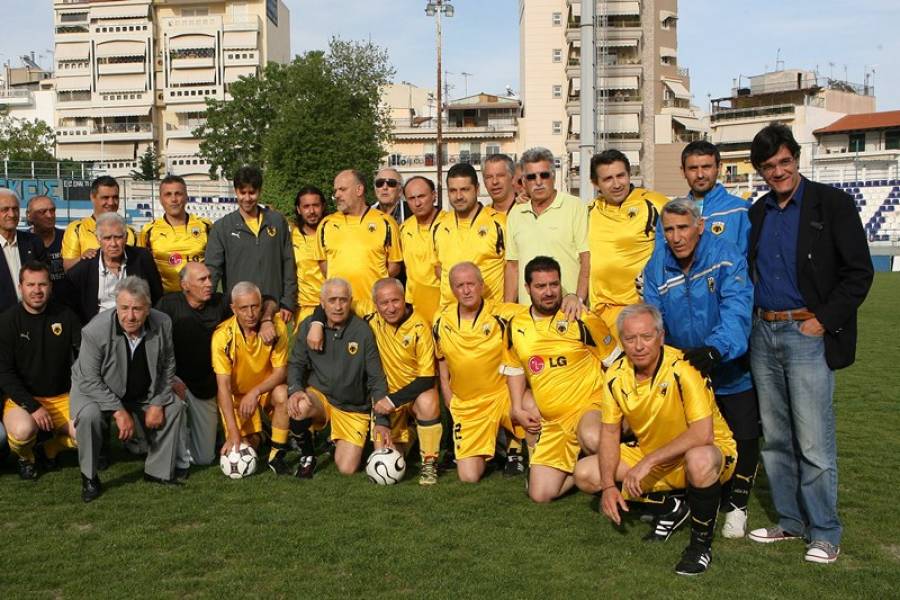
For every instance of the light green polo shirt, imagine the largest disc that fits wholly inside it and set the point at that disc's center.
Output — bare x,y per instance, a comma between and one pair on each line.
561,232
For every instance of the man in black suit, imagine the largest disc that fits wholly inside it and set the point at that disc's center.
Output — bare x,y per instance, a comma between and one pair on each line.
95,278
19,247
811,268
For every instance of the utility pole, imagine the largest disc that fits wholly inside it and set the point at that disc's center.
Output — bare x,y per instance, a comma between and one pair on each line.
435,9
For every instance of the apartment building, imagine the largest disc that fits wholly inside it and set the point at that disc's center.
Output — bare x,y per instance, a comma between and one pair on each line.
136,73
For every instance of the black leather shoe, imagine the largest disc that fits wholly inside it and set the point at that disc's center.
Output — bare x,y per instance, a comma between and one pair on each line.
27,470
90,488
182,474
152,479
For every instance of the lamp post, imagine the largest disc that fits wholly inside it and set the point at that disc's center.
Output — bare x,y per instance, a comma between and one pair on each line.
436,8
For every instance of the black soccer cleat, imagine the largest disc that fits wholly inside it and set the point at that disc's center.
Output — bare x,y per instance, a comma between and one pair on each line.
694,560
278,464
664,525
27,470
515,465
90,488
306,468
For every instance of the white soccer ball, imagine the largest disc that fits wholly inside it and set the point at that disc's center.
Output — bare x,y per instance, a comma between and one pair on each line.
385,466
240,463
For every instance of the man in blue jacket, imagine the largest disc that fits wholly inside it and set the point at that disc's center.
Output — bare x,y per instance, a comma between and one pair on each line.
699,283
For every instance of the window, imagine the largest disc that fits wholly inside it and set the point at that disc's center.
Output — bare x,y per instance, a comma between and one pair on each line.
557,91
857,142
557,127
557,55
490,149
892,140
195,12
557,19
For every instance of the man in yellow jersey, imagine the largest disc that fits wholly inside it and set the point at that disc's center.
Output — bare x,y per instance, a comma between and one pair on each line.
682,439
253,243
309,208
250,376
177,237
498,171
473,233
468,337
358,243
622,223
80,239
423,288
552,224
561,360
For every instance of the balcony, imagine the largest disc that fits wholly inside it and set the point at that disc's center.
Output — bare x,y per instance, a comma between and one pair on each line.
16,97
107,132
193,23
755,112
183,130
241,23
493,129
123,68
194,94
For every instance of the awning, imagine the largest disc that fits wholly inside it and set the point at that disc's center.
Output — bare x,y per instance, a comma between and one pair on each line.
121,48
181,146
620,43
73,84
122,83
95,151
678,89
123,111
116,151
190,41
667,14
628,123
618,83
119,11
622,8
232,74
72,51
187,108
187,76
667,52
239,39
689,123
633,156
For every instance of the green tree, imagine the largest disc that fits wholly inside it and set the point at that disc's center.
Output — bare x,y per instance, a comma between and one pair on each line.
304,121
148,166
24,140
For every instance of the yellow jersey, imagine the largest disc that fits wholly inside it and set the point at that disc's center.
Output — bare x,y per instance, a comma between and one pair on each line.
358,249
661,408
248,361
480,240
473,349
406,350
309,275
562,360
621,239
423,289
81,236
173,247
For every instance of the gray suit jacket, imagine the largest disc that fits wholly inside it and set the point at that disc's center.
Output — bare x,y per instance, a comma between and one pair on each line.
101,371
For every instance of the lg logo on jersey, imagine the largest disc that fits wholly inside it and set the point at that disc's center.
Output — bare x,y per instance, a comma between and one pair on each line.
536,363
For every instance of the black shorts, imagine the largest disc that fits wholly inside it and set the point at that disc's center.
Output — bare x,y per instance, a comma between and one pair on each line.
741,412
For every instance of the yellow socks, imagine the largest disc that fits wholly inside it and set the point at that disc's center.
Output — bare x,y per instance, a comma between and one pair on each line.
430,433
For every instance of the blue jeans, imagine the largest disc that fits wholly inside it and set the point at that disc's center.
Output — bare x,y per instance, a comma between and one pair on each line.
795,389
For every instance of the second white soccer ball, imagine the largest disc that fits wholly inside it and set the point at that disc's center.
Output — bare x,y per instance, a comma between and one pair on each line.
385,467
237,464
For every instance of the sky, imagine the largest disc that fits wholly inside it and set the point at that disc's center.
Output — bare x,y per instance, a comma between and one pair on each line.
717,40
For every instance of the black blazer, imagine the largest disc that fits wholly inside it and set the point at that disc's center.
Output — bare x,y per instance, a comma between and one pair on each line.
85,278
30,248
834,268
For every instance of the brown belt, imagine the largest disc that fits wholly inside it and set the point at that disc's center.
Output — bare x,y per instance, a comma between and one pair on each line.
798,314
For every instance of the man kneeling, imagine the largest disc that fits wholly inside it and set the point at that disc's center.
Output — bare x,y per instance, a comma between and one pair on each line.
338,384
682,439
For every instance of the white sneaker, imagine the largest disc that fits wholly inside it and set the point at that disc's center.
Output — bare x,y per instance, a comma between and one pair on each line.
822,552
735,526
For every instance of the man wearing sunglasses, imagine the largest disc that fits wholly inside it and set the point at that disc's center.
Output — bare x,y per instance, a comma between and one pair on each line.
552,224
388,191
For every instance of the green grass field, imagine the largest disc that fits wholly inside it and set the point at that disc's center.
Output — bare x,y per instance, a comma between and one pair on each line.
336,537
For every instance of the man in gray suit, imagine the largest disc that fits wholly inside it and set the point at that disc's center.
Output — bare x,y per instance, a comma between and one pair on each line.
126,367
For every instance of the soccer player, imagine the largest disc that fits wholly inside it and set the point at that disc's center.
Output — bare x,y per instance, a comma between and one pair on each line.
552,223
498,173
309,209
80,240
468,336
473,233
561,360
358,243
177,237
699,283
253,244
724,215
682,440
423,287
250,376
38,342
622,224
339,384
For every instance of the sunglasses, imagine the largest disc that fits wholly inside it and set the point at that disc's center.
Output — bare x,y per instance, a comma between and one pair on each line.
542,174
391,183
